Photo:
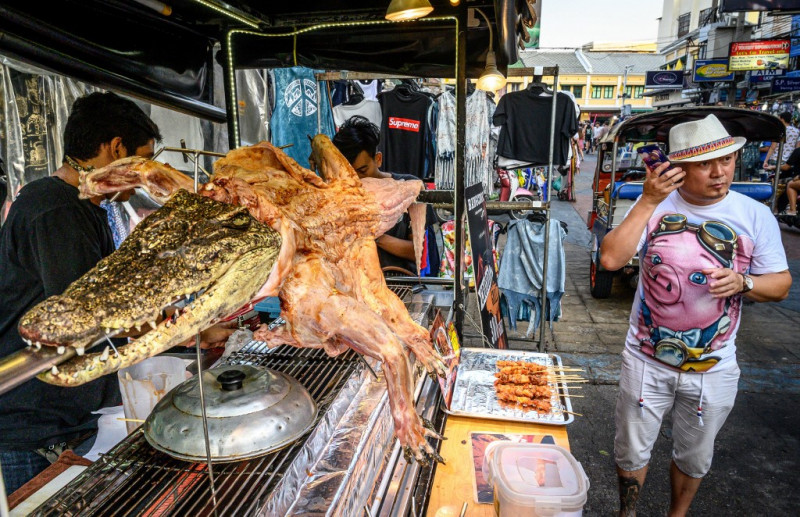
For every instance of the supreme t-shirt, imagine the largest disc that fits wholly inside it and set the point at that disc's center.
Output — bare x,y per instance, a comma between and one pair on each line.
404,131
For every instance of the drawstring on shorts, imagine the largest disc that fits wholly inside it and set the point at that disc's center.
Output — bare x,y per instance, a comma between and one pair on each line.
641,389
700,402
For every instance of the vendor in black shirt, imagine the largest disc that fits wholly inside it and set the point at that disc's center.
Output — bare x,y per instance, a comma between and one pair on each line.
791,169
357,139
51,238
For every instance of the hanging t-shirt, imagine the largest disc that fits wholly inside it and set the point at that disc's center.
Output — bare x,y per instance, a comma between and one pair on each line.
524,118
370,109
675,320
371,89
405,131
295,114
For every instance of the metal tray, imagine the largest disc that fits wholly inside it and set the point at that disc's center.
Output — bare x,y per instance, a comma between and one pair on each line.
474,394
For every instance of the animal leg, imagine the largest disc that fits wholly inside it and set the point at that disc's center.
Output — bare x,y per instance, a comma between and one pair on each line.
159,179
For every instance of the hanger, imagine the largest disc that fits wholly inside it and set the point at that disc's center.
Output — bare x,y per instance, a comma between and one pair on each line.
536,217
356,94
537,86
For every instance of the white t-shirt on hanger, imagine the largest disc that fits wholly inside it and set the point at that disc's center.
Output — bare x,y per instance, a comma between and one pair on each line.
368,108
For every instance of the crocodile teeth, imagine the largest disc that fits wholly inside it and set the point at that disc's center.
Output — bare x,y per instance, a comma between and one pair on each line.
61,350
104,355
168,324
108,330
38,345
138,327
75,375
54,370
28,341
188,296
79,350
153,323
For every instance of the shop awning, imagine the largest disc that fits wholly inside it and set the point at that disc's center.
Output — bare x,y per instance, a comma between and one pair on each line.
168,59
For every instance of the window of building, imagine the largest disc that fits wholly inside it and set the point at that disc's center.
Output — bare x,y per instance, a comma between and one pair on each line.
638,92
596,92
706,16
628,92
608,92
683,24
577,91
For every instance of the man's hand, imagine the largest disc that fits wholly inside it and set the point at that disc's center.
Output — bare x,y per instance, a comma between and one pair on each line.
724,282
658,186
214,336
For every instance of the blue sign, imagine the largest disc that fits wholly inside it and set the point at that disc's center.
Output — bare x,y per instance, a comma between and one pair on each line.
711,70
795,36
786,84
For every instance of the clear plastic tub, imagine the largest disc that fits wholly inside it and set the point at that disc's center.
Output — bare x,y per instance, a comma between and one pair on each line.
535,480
144,384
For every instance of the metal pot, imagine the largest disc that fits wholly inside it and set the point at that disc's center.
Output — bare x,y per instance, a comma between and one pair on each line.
251,411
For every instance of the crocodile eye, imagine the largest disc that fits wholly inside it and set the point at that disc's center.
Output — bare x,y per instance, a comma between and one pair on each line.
697,278
655,259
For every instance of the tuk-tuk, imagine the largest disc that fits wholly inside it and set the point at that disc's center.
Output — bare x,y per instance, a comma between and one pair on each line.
620,173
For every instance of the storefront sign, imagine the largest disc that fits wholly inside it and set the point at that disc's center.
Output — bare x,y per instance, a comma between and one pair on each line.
765,76
795,38
732,6
488,294
711,70
759,55
786,84
664,79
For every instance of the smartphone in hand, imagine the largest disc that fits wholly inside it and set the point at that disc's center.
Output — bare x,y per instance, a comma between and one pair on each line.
653,156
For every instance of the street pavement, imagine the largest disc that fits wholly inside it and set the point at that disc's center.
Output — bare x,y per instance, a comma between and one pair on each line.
757,454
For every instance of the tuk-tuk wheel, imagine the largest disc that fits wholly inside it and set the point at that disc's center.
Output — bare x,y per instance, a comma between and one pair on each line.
600,282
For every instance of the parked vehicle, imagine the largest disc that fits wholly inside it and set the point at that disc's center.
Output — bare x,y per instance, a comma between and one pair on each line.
510,190
619,175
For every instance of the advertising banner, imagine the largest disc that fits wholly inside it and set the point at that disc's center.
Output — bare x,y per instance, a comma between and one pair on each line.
488,294
795,36
759,55
711,70
732,6
786,84
664,79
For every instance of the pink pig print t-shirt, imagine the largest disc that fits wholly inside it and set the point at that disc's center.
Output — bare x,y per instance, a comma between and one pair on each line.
675,321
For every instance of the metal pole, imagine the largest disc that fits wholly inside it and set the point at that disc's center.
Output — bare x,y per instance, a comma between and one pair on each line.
231,104
543,295
458,193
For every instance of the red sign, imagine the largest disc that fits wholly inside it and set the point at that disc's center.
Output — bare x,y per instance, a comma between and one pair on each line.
405,124
759,55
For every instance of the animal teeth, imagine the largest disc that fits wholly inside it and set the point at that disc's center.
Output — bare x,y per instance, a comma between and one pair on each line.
79,350
104,355
54,370
75,375
38,345
61,350
168,324
188,296
138,327
28,341
108,330
153,323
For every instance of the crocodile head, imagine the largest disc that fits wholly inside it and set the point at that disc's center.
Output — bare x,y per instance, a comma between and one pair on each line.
193,247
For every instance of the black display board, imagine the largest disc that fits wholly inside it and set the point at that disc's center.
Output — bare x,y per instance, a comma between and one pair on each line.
488,294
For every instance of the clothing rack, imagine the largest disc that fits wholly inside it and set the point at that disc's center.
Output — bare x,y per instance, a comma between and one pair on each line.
537,73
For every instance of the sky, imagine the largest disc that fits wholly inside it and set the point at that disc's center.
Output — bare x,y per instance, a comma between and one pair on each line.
572,23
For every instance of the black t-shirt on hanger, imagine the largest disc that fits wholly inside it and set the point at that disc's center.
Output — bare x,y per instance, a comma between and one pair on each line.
524,117
404,130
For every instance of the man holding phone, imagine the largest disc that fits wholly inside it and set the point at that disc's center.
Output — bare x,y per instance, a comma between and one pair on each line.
701,249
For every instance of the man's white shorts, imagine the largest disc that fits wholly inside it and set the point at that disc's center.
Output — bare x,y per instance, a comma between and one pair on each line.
661,389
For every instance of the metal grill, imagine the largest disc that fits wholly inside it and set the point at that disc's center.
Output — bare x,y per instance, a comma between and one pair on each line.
135,479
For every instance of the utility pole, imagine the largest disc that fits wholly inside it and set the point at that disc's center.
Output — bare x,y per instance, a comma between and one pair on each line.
625,87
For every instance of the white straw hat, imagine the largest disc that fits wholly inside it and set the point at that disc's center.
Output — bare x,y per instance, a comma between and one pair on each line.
700,140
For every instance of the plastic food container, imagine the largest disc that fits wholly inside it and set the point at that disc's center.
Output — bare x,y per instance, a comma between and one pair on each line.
535,480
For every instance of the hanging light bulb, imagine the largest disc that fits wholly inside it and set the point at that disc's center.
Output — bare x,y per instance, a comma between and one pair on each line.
403,10
455,3
491,79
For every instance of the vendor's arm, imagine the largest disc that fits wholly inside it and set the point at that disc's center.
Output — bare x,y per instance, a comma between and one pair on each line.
621,243
769,287
398,247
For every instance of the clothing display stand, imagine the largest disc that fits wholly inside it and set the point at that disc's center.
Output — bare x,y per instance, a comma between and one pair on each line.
537,73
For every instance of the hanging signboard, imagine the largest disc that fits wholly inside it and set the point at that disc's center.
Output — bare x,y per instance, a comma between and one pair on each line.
711,70
732,6
759,55
488,293
765,76
664,79
786,84
795,36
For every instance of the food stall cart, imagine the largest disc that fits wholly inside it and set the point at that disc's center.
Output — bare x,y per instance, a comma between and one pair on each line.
122,46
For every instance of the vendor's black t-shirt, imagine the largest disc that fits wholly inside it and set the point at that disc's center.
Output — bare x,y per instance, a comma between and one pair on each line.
524,118
794,162
50,239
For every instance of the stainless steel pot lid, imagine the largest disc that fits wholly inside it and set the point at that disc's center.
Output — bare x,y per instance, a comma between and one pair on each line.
251,411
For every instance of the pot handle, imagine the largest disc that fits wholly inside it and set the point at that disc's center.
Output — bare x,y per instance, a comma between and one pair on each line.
231,380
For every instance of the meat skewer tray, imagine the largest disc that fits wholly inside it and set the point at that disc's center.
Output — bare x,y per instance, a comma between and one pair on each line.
474,392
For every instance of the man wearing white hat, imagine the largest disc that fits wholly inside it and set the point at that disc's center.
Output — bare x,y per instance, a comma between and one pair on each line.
701,249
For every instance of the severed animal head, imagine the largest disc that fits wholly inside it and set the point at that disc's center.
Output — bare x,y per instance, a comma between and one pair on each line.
191,245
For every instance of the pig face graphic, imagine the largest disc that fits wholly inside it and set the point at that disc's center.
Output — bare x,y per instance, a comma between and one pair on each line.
680,321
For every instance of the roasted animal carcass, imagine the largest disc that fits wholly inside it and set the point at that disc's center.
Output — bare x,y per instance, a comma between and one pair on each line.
327,275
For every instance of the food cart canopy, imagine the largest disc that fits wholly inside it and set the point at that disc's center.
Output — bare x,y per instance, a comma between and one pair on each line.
169,59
